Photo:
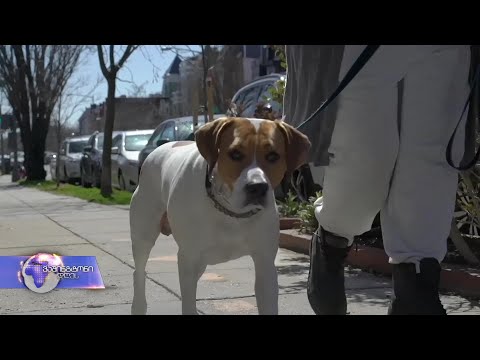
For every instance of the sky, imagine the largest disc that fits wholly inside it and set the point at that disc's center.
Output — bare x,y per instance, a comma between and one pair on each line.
144,68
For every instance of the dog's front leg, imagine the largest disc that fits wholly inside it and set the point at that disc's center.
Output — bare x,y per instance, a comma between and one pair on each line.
266,284
190,269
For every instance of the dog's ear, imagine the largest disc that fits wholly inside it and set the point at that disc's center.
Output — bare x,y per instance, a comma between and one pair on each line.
208,139
297,146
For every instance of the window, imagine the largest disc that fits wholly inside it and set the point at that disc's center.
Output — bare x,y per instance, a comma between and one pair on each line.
156,135
169,132
91,141
276,107
136,142
249,101
76,147
117,141
184,129
99,141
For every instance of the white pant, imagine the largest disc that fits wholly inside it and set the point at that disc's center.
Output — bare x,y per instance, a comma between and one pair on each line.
388,148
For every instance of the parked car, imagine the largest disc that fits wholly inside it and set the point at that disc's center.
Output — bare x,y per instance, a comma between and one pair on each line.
308,179
175,129
126,147
8,165
250,96
49,155
91,161
69,160
53,168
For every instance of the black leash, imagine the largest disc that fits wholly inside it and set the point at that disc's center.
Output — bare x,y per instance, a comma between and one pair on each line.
450,143
355,69
366,54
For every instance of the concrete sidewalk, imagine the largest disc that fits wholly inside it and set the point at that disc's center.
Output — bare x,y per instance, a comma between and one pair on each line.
32,221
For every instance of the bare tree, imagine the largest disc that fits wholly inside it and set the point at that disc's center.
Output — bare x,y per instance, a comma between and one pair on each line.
110,73
70,101
205,59
33,77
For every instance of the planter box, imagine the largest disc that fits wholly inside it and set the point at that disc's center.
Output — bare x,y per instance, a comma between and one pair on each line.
461,280
289,223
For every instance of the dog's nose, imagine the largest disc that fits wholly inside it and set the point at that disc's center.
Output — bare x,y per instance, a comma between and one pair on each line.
256,189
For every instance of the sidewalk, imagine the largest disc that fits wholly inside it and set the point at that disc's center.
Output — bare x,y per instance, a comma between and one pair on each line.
33,221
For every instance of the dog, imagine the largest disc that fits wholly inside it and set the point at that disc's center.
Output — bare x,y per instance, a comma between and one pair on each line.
215,195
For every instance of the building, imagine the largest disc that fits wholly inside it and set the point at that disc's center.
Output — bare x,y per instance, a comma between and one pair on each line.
89,121
131,113
230,67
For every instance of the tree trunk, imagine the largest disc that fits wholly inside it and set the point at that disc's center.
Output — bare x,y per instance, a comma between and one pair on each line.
106,186
39,133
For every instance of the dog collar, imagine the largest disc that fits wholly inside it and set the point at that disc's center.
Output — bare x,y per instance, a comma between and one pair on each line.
220,207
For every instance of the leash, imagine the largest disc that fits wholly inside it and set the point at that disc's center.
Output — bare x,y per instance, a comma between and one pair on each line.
366,54
450,142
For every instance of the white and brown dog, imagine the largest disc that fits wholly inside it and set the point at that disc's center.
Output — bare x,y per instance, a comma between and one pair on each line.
215,195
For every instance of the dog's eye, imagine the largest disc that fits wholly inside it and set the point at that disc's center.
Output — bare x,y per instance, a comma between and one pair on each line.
272,157
236,155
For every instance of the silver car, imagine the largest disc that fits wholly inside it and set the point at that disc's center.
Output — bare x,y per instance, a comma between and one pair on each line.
69,160
125,149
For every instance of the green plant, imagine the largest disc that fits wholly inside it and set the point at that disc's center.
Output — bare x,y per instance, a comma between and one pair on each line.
278,90
309,223
290,206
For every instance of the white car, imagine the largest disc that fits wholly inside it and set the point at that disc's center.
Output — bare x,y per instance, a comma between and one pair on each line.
69,160
126,147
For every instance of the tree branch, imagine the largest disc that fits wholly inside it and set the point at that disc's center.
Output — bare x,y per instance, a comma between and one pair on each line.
130,49
103,67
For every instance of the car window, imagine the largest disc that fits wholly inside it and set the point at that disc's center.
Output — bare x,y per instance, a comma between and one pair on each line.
248,103
184,129
99,141
117,141
76,147
169,132
265,94
91,141
156,134
136,142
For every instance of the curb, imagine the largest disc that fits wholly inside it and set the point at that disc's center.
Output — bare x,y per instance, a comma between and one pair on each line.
289,223
460,280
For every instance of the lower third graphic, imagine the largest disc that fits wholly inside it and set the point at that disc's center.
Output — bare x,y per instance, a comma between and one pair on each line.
43,272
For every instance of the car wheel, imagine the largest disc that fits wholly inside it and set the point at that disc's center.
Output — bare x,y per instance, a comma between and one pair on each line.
98,178
83,182
121,182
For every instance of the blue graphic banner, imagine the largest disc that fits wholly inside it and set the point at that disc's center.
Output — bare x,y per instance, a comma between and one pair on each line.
43,272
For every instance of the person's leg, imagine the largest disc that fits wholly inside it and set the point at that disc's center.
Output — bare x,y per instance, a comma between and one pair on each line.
417,216
363,152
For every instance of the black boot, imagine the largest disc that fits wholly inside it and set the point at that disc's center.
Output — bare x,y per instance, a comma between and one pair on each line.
416,294
326,281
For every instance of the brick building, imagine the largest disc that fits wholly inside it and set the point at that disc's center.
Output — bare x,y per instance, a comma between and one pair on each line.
131,113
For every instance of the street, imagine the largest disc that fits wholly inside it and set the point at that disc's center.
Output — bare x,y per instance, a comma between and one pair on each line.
32,221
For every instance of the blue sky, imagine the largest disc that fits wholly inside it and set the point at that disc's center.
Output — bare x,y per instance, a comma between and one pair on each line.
144,68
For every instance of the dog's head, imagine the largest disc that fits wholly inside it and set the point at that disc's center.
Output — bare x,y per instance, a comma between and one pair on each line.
251,156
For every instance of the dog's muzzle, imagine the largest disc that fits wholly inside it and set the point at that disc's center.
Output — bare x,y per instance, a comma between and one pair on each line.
255,192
